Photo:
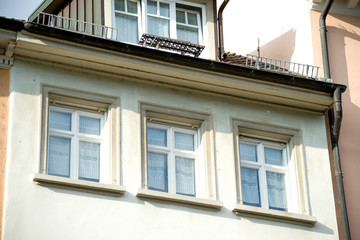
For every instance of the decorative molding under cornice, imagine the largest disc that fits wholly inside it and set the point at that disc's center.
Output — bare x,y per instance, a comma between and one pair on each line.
6,62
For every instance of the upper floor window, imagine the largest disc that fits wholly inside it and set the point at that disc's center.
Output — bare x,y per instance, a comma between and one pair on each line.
173,19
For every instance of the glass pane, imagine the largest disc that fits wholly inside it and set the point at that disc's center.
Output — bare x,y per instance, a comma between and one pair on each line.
157,136
184,141
59,156
157,26
273,156
89,161
120,5
185,176
157,171
128,26
192,19
250,186
180,16
60,120
187,34
152,7
132,7
276,190
164,10
248,152
89,125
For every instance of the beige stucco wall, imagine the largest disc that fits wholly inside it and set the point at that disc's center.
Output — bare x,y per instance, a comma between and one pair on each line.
4,113
281,26
51,213
344,48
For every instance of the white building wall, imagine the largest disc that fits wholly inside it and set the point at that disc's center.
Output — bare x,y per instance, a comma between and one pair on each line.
38,212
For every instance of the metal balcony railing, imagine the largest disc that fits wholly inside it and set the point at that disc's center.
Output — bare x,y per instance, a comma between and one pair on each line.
78,26
269,64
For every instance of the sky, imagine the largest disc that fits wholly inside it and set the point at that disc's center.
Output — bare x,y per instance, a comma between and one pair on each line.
18,9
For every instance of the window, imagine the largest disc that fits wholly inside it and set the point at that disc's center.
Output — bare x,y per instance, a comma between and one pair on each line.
178,156
178,20
80,141
264,173
270,172
76,144
172,159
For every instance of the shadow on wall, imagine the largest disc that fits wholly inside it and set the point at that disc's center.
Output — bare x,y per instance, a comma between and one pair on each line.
280,48
344,48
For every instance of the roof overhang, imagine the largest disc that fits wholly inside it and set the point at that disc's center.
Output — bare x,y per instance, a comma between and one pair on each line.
136,63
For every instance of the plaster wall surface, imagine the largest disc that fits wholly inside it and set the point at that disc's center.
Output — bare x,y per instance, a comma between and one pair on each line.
51,213
281,26
344,48
4,113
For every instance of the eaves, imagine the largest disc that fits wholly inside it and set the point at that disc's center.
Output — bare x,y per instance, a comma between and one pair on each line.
138,63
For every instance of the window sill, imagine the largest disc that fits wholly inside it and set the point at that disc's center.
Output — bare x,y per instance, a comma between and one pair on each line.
168,197
274,215
79,185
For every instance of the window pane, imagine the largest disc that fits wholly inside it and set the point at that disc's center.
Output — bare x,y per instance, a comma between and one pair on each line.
157,171
185,176
132,7
164,10
250,186
120,5
248,152
192,19
180,16
60,120
152,7
187,34
59,156
128,26
276,190
89,161
184,141
157,136
157,26
89,125
273,156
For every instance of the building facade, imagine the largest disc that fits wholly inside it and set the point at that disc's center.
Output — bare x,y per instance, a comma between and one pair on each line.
109,138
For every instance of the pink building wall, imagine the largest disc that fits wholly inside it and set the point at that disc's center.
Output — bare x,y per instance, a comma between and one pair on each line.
344,55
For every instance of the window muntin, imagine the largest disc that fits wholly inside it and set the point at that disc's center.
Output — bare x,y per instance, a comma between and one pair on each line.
76,145
174,19
172,159
264,173
127,20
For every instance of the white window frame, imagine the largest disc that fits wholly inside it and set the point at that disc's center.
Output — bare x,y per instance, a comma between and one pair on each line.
75,137
205,178
172,152
87,104
296,186
262,167
142,17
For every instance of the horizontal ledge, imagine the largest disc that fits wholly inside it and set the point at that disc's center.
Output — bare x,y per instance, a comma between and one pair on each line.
164,196
274,215
79,185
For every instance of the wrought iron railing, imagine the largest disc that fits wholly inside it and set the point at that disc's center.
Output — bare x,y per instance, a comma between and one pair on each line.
297,69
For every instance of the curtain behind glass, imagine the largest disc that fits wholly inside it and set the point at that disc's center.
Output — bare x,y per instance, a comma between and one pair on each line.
157,171
128,26
188,34
250,186
185,177
59,156
89,161
157,26
276,190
